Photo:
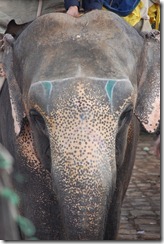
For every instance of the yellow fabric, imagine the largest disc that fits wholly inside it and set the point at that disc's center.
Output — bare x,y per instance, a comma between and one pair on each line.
154,14
135,16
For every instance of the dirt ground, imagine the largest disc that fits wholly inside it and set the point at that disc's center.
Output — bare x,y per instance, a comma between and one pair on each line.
140,216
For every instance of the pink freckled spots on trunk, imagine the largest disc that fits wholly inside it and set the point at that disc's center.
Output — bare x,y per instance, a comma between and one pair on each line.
26,148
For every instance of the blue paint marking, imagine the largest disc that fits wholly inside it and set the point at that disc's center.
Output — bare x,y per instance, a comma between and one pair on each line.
109,88
47,86
82,116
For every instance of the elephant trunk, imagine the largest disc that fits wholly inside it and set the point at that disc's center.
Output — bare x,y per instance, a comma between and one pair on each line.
84,178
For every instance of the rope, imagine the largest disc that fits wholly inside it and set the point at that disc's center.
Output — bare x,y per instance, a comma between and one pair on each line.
39,10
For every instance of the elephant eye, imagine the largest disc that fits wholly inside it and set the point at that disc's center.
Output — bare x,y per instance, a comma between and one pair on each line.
37,119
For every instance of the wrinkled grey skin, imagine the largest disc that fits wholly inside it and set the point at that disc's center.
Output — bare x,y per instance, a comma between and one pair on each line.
75,94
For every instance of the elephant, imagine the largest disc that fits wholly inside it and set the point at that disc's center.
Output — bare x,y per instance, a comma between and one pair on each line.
75,95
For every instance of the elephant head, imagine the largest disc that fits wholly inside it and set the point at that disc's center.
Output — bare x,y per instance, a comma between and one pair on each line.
78,89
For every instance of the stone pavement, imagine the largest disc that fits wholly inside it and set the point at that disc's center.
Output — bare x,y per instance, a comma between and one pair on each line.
140,215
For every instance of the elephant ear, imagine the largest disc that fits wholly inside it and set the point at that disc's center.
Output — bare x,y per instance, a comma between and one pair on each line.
18,111
14,29
148,100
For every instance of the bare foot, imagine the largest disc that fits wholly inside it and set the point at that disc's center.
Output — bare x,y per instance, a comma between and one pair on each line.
73,11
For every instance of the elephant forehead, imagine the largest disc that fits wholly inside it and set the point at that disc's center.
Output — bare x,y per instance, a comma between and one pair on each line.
82,94
61,45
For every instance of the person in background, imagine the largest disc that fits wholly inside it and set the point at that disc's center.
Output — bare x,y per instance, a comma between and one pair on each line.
73,6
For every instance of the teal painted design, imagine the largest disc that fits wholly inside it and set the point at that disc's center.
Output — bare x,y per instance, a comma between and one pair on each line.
109,88
47,86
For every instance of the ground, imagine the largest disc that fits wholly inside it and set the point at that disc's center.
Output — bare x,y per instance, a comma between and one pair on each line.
140,216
